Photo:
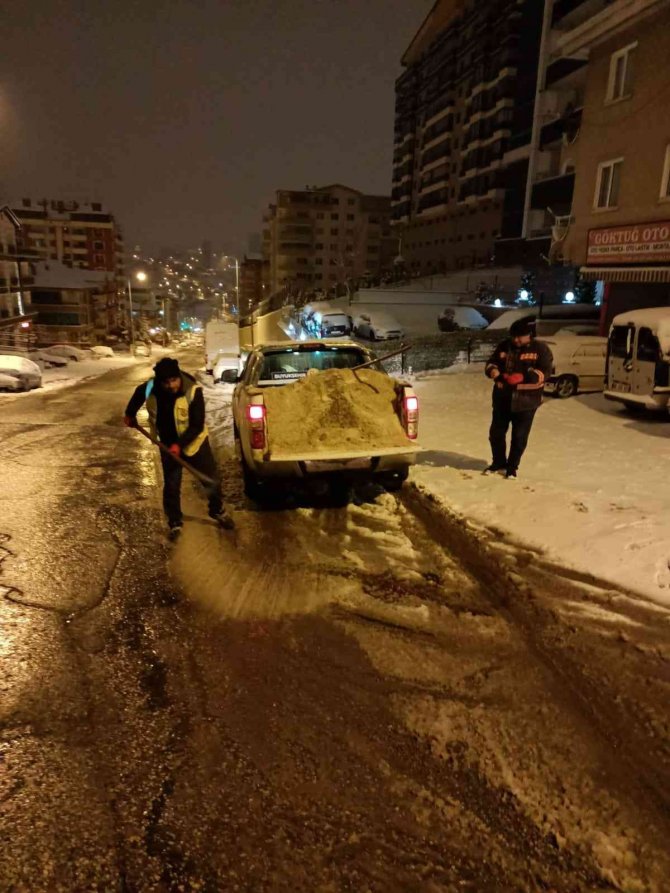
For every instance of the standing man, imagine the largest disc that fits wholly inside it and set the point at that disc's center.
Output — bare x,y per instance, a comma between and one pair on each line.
176,408
519,368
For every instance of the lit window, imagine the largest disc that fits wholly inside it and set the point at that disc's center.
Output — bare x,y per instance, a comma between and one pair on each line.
665,181
619,84
607,184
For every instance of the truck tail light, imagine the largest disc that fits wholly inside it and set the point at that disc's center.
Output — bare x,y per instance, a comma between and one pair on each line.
256,417
411,415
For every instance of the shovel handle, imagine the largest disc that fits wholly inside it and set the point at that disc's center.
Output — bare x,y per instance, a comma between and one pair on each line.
161,446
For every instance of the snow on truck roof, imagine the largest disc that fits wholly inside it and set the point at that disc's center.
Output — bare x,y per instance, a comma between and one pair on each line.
316,344
655,318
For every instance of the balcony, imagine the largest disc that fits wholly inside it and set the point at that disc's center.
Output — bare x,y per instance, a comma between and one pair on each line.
561,69
570,13
554,192
568,124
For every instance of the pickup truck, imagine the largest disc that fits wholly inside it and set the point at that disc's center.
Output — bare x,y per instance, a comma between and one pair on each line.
329,458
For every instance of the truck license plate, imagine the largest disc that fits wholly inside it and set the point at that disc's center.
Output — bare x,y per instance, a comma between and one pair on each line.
317,465
623,386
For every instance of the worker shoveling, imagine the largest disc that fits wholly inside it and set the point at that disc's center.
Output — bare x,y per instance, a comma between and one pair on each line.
176,408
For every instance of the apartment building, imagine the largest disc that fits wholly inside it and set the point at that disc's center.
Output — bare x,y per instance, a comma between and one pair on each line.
254,282
82,235
15,275
463,127
324,237
608,148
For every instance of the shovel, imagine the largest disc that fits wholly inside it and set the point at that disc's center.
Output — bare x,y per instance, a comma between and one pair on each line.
161,446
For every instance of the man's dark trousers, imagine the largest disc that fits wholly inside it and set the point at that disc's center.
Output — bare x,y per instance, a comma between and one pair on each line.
521,423
202,461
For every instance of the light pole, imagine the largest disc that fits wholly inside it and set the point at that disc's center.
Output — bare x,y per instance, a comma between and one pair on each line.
141,276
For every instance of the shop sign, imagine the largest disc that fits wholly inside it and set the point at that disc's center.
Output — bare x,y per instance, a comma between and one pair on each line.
642,243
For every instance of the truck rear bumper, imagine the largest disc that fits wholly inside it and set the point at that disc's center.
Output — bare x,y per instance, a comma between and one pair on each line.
355,467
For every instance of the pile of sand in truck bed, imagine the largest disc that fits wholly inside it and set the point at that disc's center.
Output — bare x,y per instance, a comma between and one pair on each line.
334,411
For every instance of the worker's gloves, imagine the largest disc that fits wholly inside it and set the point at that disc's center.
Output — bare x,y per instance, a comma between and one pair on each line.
130,421
513,378
175,449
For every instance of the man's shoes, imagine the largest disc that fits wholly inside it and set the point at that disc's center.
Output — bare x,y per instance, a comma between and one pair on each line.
223,519
175,529
510,475
493,469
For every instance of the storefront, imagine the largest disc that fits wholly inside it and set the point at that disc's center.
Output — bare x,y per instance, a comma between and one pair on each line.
633,265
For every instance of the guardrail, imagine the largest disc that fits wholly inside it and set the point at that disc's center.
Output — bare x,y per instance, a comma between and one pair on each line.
430,352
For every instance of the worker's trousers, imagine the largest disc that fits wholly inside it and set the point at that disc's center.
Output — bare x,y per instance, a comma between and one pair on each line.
202,461
521,423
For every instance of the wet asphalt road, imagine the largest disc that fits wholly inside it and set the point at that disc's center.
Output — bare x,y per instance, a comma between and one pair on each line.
365,699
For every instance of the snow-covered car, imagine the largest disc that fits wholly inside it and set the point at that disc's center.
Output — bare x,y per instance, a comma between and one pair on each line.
225,363
377,326
25,371
454,318
579,364
9,383
142,349
47,358
100,351
69,351
343,436
321,320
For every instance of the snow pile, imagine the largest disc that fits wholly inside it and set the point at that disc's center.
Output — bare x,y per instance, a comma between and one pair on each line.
338,410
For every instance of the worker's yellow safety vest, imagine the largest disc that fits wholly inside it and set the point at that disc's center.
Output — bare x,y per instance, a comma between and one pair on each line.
181,406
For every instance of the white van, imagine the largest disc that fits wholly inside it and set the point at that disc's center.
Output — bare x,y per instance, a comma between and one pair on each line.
579,364
638,359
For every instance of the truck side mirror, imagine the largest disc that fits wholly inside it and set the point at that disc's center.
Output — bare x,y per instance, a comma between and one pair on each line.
229,376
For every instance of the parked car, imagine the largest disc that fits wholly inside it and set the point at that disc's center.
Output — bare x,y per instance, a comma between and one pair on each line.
9,383
454,318
579,364
69,351
101,350
25,371
321,320
46,358
378,326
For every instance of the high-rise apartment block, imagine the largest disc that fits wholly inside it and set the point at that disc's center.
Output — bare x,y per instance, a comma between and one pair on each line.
82,235
463,125
323,237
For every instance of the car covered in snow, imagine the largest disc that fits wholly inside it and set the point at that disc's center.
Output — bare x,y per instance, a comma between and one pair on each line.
9,383
579,364
300,411
69,351
377,325
454,318
25,371
100,351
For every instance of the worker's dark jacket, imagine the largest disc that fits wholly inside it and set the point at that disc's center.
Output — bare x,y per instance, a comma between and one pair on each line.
175,418
534,361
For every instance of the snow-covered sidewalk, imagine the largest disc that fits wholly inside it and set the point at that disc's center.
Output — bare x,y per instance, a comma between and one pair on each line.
592,492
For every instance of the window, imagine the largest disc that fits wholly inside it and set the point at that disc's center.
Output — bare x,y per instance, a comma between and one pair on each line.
607,184
665,180
351,201
621,342
320,215
647,346
319,246
335,232
98,246
619,82
350,217
319,261
334,216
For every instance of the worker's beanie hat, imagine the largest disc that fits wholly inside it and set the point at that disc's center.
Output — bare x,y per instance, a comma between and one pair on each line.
167,368
521,327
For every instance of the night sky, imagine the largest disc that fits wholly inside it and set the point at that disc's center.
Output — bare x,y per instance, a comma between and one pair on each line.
184,117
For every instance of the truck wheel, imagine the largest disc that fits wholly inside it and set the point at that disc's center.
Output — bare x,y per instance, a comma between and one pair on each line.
566,386
393,482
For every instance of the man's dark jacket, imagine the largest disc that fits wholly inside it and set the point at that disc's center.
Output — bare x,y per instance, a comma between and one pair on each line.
534,361
165,423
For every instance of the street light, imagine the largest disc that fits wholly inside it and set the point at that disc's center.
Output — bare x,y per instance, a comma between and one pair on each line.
141,276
